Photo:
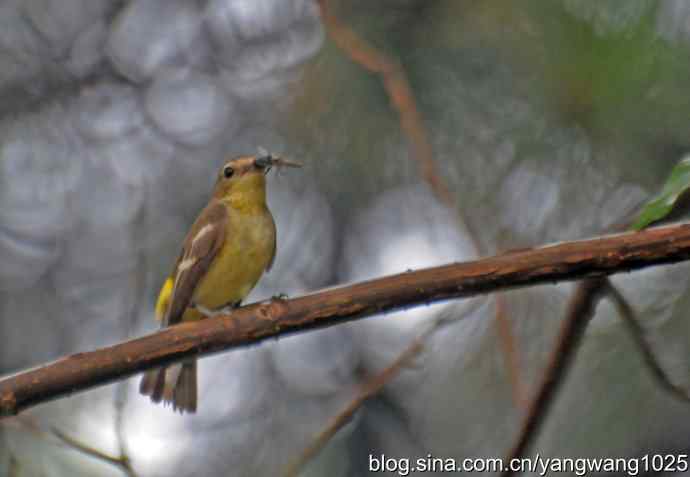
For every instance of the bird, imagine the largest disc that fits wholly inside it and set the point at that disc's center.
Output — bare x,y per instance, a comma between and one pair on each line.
228,248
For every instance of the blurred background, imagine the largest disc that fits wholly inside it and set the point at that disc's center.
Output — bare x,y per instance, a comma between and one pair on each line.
540,121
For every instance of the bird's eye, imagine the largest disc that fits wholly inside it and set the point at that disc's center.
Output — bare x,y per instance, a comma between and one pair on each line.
228,172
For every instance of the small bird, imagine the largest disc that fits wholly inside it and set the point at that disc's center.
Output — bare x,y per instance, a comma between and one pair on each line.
229,246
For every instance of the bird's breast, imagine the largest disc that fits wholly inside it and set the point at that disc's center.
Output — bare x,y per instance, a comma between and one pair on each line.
248,248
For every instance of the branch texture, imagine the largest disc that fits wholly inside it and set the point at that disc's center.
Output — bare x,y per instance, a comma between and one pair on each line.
254,323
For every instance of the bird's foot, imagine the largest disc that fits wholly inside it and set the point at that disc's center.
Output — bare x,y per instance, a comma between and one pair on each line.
279,297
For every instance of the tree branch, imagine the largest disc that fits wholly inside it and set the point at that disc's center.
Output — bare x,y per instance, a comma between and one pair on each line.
370,388
581,309
638,335
399,93
254,323
123,462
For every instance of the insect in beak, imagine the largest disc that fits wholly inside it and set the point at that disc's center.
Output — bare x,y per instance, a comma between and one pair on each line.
268,161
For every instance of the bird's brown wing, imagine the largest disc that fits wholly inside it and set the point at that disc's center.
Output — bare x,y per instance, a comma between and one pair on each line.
275,243
201,246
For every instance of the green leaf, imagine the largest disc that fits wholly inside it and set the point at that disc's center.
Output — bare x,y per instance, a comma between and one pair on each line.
660,206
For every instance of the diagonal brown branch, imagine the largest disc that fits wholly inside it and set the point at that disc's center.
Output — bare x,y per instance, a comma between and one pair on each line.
29,423
402,98
511,353
638,334
368,390
581,308
254,323
399,92
122,462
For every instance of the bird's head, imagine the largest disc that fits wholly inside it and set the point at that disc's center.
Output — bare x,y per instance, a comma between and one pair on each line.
245,176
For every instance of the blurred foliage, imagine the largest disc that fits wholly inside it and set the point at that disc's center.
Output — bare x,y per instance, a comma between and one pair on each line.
662,204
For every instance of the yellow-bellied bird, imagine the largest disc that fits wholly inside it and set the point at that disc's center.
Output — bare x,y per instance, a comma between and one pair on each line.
228,248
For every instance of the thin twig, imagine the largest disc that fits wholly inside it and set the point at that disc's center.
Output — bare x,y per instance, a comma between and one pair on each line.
122,463
638,334
399,92
580,310
29,423
254,323
121,396
368,390
402,98
510,353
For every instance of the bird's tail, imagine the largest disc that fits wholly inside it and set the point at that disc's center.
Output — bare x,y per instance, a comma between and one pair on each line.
174,384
